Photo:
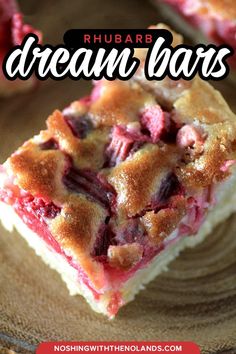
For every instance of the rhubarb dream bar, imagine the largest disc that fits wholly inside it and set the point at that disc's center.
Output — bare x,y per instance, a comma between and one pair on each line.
121,181
216,19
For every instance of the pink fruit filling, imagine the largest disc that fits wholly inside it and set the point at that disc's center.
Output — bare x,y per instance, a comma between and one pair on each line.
156,122
90,184
104,239
124,142
7,9
38,207
36,213
109,236
227,165
51,144
12,28
20,30
154,125
169,187
196,211
80,126
134,231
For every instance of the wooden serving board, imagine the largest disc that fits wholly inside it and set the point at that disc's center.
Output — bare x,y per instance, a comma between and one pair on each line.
194,301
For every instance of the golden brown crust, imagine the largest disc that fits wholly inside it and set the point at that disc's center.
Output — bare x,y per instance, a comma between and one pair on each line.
37,171
86,153
119,103
212,114
210,108
126,256
198,103
161,224
75,230
136,179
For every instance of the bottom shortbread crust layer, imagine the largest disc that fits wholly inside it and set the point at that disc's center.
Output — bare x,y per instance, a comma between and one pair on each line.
225,207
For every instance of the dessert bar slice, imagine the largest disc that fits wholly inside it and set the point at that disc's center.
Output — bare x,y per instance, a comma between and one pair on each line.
216,19
121,181
12,32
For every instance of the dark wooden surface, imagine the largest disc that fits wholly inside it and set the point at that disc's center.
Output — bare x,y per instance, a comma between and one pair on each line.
195,300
